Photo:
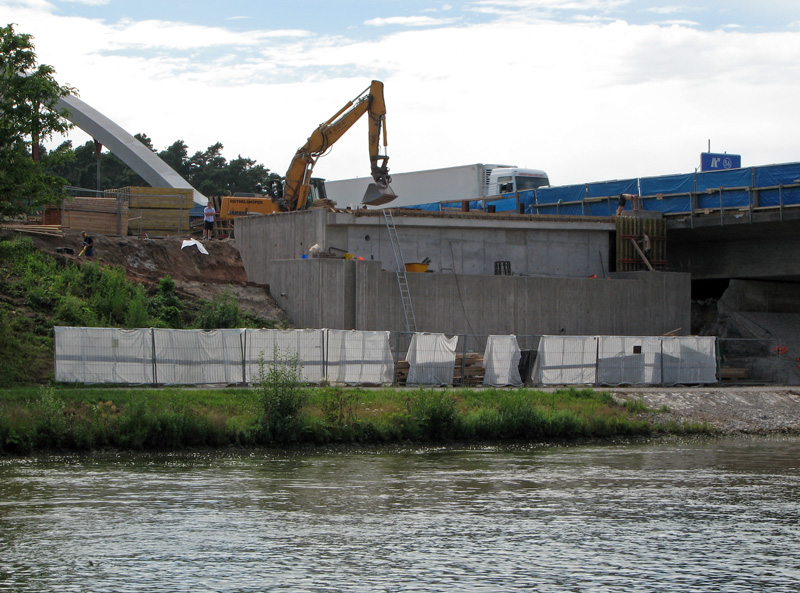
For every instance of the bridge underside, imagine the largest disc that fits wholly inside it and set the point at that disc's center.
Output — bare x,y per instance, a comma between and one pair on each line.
741,245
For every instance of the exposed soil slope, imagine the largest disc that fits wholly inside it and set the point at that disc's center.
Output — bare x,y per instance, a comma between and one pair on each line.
195,274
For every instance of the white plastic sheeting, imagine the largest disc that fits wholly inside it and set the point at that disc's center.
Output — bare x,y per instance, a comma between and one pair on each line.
282,347
628,360
690,359
103,355
566,360
359,357
223,356
431,359
197,357
625,360
501,361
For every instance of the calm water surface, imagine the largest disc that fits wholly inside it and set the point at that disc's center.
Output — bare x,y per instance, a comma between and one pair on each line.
710,515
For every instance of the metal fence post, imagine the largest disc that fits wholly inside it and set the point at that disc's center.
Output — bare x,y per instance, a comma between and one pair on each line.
155,367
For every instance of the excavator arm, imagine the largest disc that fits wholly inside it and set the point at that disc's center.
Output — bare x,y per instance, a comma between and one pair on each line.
298,176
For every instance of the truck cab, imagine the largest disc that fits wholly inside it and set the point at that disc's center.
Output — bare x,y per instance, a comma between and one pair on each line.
507,180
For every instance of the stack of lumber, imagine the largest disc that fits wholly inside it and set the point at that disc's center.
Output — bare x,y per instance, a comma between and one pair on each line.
323,204
157,211
471,364
103,216
473,371
34,229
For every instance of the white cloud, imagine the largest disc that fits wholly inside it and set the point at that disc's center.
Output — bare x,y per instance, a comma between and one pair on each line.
584,101
408,21
89,2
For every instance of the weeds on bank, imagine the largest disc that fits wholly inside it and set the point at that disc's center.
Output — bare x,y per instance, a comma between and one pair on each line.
280,410
40,291
281,395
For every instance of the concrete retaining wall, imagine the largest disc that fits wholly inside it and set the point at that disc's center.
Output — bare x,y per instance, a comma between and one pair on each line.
462,245
348,294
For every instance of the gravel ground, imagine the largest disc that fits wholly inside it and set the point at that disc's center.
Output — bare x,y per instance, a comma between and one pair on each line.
730,410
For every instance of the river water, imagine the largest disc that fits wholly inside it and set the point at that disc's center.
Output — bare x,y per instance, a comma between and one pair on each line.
676,516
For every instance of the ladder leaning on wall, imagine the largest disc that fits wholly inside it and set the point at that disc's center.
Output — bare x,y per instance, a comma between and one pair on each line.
402,280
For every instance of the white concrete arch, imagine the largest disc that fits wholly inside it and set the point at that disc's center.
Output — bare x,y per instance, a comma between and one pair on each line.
130,151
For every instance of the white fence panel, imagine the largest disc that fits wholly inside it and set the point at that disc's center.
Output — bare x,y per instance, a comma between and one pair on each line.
198,357
628,360
103,355
566,360
359,357
284,347
431,359
501,361
689,360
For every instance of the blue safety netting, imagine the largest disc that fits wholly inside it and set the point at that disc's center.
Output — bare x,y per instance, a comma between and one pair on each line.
670,194
775,176
667,193
609,190
433,207
601,189
564,193
508,204
735,184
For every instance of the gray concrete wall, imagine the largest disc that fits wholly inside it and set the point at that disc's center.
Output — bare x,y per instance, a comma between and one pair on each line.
351,294
459,245
768,297
288,235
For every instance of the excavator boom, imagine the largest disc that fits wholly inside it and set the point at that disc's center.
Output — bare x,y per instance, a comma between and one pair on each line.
298,176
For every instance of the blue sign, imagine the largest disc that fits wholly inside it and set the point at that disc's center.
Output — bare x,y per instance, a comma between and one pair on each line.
712,161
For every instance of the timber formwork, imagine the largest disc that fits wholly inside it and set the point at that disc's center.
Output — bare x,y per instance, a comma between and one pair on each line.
630,232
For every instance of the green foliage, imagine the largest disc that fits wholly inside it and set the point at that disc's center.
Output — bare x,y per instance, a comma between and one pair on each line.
340,407
23,352
435,414
206,170
279,411
222,312
28,116
281,395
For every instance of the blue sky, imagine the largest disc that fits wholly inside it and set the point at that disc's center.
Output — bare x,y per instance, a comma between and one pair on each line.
586,89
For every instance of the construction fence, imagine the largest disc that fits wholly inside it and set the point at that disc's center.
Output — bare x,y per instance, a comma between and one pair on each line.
326,356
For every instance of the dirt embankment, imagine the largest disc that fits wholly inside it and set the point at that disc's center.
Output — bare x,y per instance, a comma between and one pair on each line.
196,275
730,410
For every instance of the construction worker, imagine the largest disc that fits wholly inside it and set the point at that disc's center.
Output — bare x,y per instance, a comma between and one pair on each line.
623,198
88,245
208,220
645,242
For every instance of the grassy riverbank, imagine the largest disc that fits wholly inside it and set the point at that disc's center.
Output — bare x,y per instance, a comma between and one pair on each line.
283,413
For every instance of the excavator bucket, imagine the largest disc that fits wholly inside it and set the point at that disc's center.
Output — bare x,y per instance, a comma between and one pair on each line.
377,195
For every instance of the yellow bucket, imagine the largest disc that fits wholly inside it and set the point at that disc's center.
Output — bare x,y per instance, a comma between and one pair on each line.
416,267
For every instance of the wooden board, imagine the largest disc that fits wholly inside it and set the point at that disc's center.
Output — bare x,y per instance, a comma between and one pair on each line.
156,197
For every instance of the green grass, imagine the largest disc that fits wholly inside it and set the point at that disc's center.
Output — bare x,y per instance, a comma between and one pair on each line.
38,291
90,418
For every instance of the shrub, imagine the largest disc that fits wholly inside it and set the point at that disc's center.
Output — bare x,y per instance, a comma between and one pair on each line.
281,396
221,312
435,414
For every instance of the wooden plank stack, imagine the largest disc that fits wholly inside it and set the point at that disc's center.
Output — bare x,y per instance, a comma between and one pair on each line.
157,211
468,370
34,229
102,216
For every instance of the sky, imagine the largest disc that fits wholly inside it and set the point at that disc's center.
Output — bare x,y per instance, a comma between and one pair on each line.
587,90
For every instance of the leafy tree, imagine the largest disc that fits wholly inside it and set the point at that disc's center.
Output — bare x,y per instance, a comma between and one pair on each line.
28,115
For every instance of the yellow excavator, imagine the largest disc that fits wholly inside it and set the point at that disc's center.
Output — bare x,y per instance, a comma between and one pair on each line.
298,182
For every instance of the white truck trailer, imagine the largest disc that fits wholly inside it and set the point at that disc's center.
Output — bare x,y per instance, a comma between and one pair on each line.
465,182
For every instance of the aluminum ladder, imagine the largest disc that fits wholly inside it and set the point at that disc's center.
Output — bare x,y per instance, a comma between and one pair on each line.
402,279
